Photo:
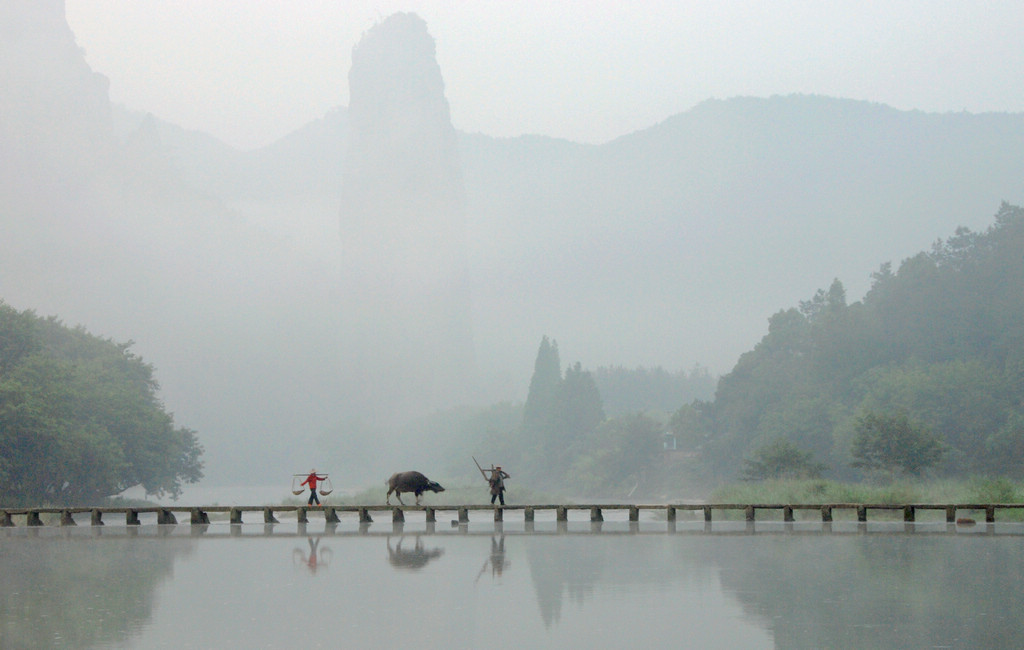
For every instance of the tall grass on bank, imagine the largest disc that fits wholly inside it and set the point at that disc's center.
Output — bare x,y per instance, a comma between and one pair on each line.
975,490
811,491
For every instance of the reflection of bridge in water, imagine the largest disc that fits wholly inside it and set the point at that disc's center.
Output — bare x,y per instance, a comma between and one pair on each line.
522,529
952,514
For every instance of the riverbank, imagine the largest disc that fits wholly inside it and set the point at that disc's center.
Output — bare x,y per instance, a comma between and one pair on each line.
977,490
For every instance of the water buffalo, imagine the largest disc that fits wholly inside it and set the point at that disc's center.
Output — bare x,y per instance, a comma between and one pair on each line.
410,482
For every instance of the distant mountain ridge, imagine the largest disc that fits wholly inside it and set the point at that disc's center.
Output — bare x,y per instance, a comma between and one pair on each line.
307,160
732,210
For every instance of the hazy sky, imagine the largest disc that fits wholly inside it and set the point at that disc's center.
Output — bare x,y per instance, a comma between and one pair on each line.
251,72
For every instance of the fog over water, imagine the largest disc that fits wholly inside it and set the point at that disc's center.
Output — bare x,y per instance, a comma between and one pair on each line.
299,266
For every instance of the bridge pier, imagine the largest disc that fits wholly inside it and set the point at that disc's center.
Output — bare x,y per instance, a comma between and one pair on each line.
908,514
236,516
199,517
431,516
96,517
499,514
595,514
131,518
397,515
528,514
364,516
166,517
331,515
67,519
268,516
634,514
463,515
826,513
561,513
787,514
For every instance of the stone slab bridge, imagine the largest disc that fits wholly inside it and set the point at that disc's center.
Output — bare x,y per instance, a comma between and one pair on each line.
201,514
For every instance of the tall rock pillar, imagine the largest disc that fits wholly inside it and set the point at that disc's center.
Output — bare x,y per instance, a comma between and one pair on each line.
403,225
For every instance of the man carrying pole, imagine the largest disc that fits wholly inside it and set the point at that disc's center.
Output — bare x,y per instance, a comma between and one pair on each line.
496,480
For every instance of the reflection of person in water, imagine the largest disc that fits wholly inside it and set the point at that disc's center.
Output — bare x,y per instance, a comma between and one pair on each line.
314,551
497,559
316,558
415,559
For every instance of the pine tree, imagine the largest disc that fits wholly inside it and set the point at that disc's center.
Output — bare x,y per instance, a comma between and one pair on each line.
578,406
559,412
544,385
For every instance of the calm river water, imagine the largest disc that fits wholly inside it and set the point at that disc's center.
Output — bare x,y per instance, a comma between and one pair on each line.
419,585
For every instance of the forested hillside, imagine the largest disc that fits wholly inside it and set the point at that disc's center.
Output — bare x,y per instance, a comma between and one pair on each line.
80,419
937,345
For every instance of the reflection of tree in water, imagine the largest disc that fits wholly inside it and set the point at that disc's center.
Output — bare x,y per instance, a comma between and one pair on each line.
573,565
878,590
563,565
79,593
417,558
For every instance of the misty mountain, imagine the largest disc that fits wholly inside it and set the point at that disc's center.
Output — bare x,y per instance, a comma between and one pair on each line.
402,228
667,247
104,227
306,162
696,229
683,238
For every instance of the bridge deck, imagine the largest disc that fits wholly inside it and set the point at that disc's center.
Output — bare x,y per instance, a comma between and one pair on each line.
200,514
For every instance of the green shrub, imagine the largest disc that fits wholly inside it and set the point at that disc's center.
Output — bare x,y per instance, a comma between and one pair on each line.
994,490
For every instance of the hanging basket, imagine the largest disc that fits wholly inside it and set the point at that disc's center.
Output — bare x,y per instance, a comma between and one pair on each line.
327,486
325,489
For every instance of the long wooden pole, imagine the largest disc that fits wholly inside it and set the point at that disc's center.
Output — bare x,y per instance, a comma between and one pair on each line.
482,472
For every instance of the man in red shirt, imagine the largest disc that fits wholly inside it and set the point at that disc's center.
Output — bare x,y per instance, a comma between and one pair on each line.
311,482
